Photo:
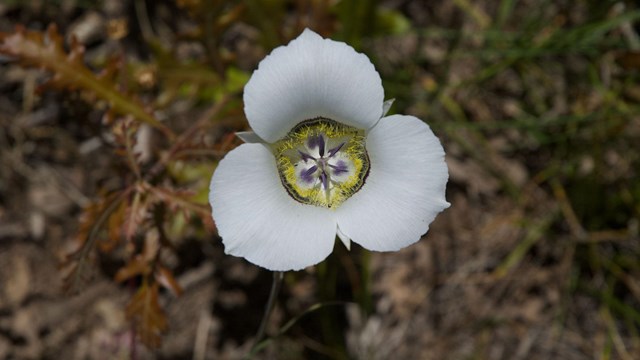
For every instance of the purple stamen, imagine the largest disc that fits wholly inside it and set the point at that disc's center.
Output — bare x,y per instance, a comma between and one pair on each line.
307,175
325,180
335,149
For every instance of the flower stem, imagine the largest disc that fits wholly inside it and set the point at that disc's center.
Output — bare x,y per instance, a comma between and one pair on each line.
275,289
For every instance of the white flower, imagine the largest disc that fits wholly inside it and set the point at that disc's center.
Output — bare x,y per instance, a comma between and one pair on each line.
322,162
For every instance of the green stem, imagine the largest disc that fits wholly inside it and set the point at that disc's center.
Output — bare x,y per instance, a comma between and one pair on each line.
275,289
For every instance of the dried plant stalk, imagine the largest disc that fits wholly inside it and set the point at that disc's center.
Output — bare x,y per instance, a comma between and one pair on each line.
45,50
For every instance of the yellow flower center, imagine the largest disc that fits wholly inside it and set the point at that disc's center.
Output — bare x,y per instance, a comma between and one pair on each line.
322,162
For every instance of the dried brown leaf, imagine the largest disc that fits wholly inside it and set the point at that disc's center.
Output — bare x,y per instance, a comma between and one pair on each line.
137,266
143,263
114,229
76,266
135,215
165,277
179,200
145,312
45,50
151,245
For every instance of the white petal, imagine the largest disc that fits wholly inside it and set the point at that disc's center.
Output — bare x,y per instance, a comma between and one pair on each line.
308,78
344,238
405,189
259,221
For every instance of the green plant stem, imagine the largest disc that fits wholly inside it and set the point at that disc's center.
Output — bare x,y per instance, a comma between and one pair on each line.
275,289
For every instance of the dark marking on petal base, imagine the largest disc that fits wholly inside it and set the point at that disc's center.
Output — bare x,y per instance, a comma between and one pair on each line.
317,141
307,175
339,168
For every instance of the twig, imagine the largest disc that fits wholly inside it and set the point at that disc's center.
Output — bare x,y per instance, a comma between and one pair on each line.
186,136
577,230
202,336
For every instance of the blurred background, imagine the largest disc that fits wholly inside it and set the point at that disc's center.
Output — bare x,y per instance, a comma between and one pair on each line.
113,120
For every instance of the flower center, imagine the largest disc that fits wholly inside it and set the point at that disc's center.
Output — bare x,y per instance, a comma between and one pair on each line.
322,162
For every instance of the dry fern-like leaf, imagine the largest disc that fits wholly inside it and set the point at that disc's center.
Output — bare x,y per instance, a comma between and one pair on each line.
147,315
45,50
137,266
165,277
77,265
179,200
136,213
144,262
